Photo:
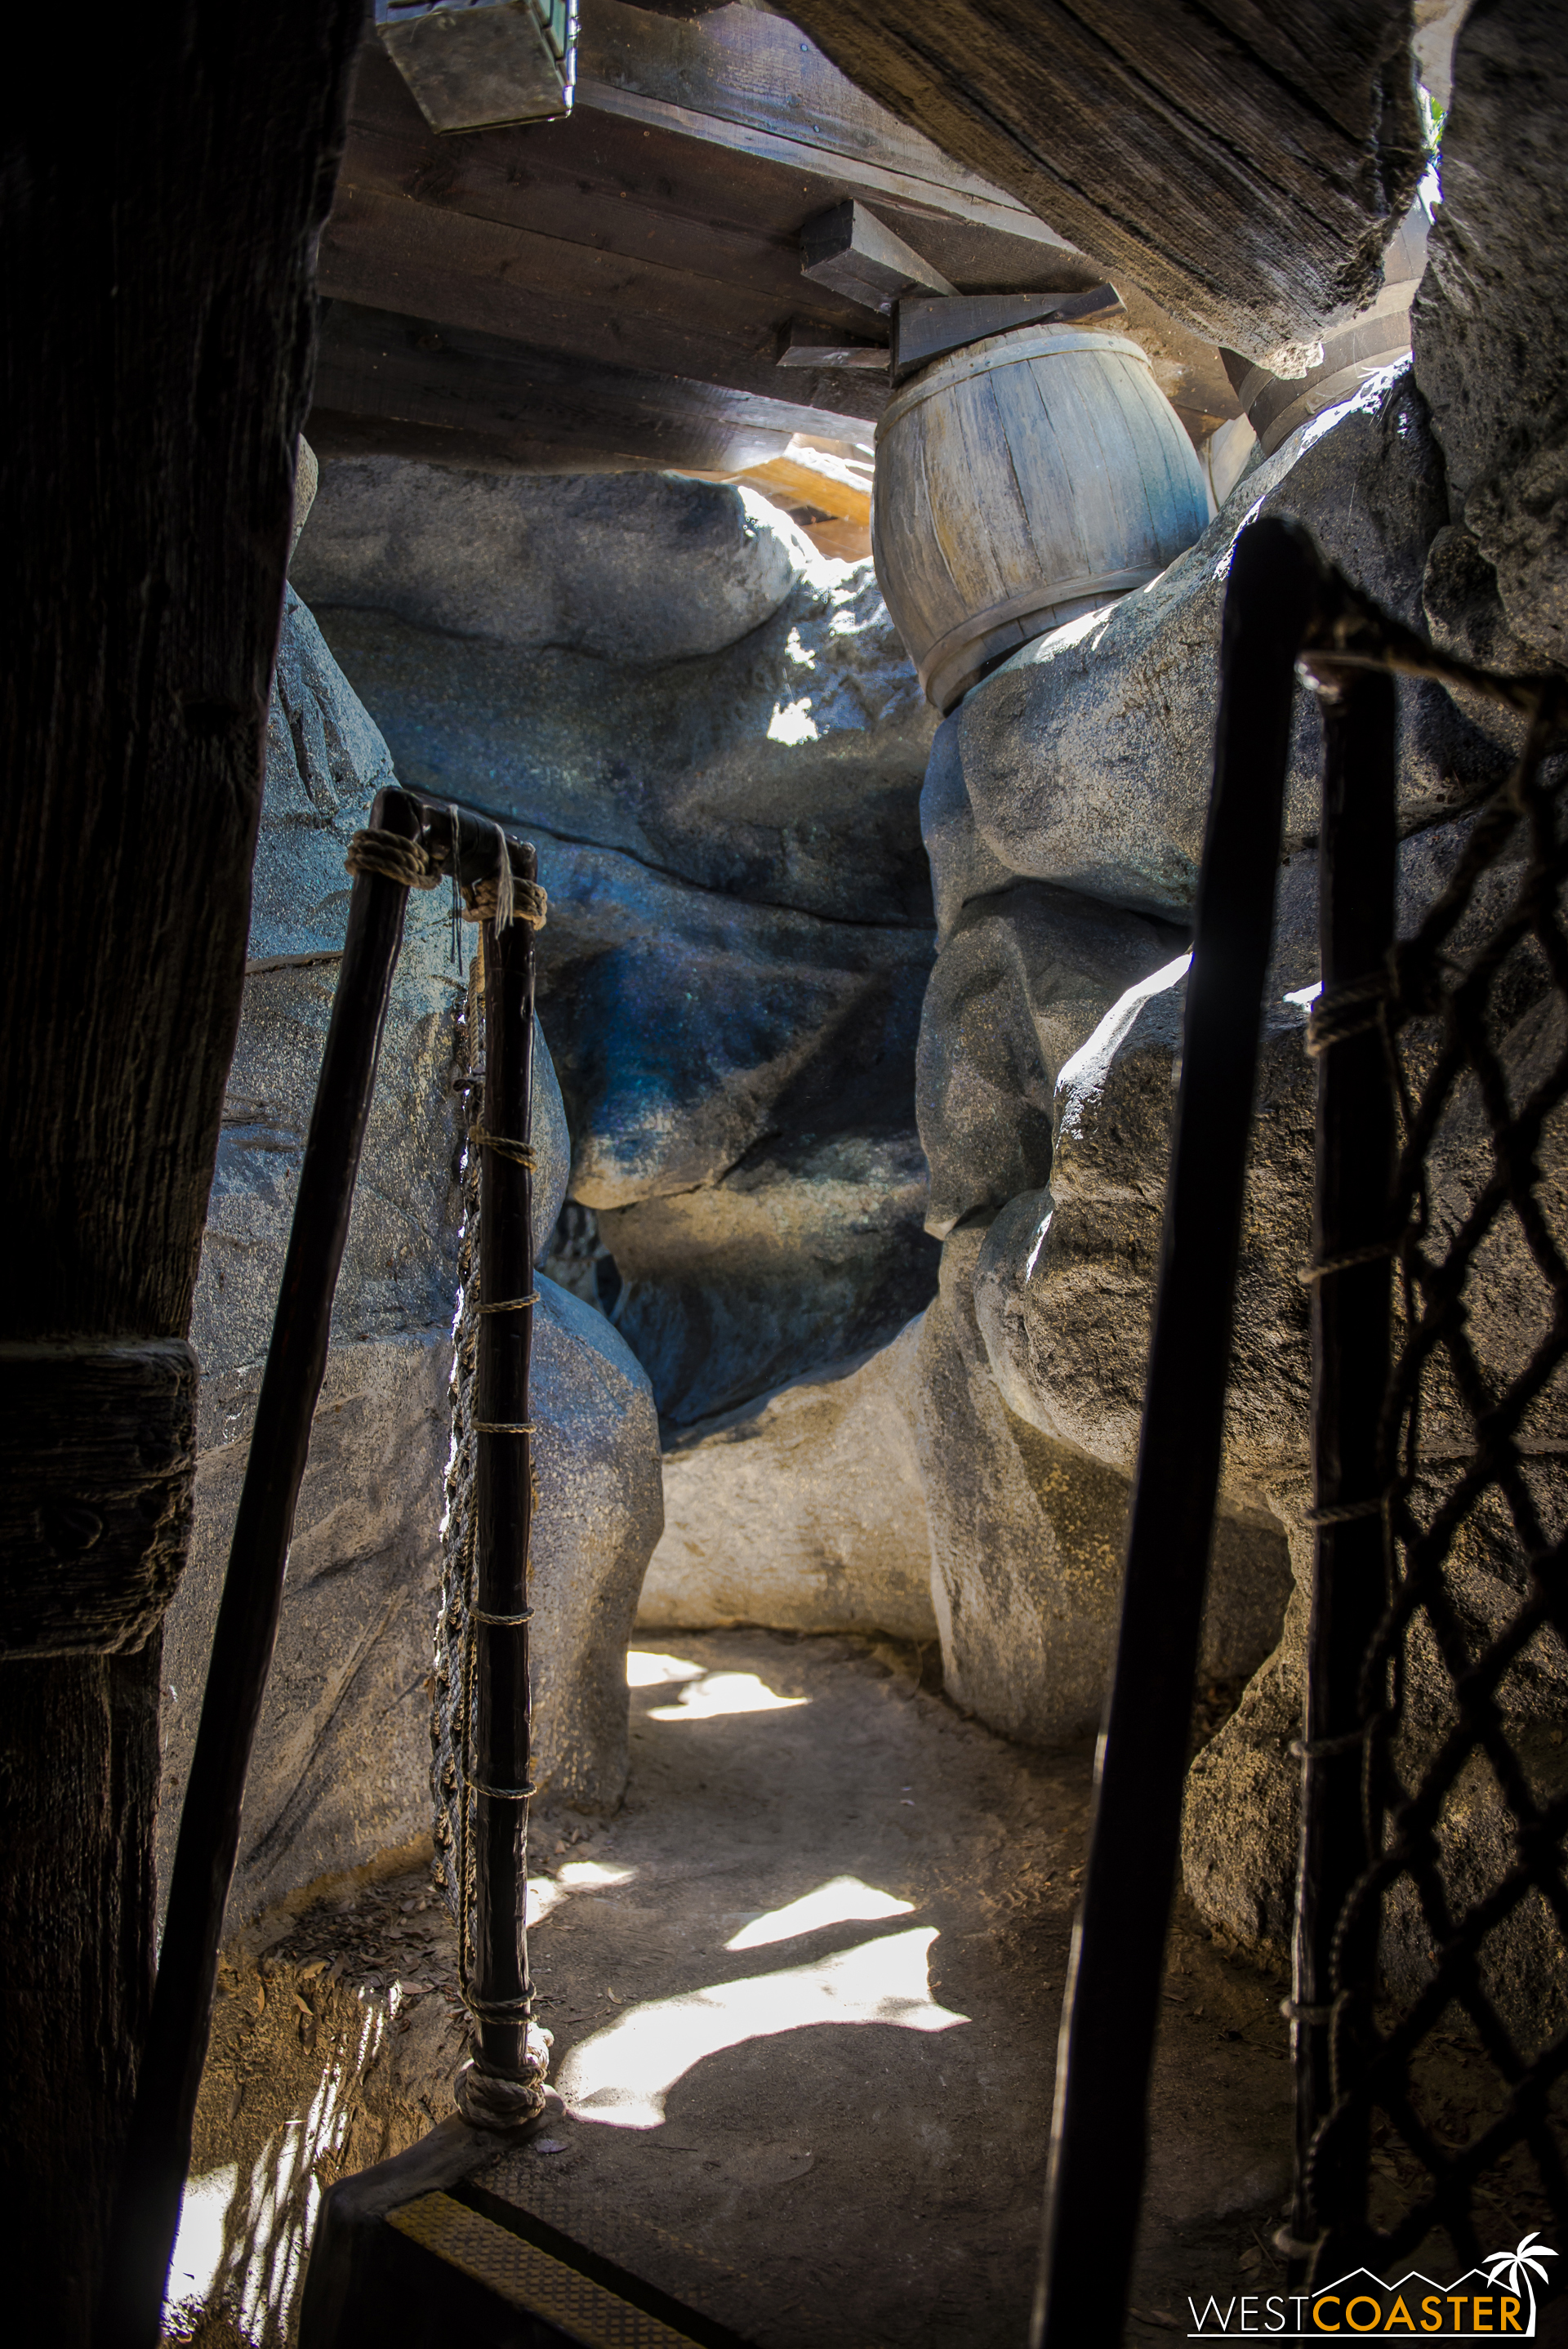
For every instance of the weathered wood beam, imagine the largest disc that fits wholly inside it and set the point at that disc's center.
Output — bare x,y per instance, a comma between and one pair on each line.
926,328
1244,165
391,254
850,250
162,187
748,82
654,192
803,345
408,386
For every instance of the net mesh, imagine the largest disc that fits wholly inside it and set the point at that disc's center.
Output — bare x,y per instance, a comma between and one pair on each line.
1449,2030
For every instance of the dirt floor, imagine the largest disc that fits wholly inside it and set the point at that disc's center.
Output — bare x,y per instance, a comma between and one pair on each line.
804,1991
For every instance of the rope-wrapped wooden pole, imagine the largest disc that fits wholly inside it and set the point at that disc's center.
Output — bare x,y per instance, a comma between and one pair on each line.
385,861
504,2086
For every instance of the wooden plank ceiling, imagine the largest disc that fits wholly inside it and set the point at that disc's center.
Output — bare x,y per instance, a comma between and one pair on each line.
614,288
1245,164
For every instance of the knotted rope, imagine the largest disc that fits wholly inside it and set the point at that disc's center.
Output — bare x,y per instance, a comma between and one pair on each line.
391,858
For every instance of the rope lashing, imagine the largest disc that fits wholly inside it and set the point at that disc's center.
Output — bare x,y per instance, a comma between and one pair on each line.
390,857
486,2101
520,1152
529,902
1325,1268
502,898
503,1427
509,1304
1353,1010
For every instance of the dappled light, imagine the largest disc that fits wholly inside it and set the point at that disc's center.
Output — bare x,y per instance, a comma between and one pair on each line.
623,2074
845,1901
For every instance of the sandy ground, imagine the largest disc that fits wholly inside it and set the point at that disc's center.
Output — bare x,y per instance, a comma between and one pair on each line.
804,1991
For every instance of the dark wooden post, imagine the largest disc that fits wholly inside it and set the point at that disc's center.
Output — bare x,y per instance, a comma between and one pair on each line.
502,1993
165,173
1352,1207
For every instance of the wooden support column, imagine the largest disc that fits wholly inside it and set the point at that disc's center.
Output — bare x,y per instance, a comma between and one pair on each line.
165,174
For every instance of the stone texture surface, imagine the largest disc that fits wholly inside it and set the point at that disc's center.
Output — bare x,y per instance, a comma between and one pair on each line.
340,1769
1489,355
1065,1280
1087,756
718,742
796,1255
600,1515
780,765
803,1511
962,865
1026,1540
690,1029
1024,976
582,563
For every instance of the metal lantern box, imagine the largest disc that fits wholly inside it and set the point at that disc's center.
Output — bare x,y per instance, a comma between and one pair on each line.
475,65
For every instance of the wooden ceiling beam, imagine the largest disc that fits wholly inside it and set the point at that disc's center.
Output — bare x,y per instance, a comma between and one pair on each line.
385,252
411,387
1244,165
615,250
746,82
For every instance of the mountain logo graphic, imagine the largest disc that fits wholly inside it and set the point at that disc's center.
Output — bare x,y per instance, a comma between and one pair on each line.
1494,2302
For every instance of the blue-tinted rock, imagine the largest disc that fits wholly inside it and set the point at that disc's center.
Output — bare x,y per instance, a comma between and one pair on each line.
688,1027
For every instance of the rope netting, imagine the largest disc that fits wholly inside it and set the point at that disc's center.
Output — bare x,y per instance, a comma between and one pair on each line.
1449,2014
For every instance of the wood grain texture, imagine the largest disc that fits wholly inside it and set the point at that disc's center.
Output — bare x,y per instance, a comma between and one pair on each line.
162,185
389,254
1245,167
652,192
380,374
1038,469
848,249
98,1460
681,212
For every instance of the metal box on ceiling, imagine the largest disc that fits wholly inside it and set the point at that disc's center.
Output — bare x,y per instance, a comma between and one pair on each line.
478,64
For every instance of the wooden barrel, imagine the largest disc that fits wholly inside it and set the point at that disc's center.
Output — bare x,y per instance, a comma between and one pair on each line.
1021,482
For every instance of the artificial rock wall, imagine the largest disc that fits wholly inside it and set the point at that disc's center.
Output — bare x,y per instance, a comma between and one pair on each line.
339,1780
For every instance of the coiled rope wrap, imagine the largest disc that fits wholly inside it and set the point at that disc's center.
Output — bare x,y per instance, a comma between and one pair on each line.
390,857
529,902
501,899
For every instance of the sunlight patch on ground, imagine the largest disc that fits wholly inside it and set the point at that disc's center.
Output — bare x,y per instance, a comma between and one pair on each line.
645,1670
845,1901
588,1875
199,2246
718,1692
623,2074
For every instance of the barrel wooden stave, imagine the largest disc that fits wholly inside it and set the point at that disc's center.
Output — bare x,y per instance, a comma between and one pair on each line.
1019,482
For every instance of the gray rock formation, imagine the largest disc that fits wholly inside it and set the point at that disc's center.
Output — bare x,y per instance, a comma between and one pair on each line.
1087,756
600,1514
736,1286
1063,1283
765,745
579,565
340,1771
1023,975
690,1029
1026,1540
1489,358
717,742
804,1512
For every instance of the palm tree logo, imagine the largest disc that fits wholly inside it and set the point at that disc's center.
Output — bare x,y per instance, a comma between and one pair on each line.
1517,2271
